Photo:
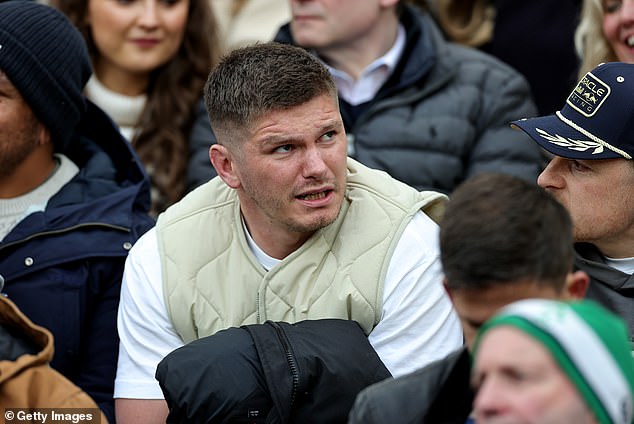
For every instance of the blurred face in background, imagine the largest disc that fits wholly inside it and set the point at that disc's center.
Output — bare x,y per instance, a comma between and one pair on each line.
329,23
517,381
475,306
134,37
618,27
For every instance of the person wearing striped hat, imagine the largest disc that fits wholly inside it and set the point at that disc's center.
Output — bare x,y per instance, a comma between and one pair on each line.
546,361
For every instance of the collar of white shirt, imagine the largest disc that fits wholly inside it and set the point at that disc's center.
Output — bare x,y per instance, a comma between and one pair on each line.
265,260
373,76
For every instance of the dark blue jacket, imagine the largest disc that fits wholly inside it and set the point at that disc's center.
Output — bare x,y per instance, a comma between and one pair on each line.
63,266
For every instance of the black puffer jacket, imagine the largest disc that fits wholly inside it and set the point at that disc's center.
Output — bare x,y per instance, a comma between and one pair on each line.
307,372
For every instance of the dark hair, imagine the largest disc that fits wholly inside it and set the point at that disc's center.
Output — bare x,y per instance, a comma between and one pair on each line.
253,80
175,88
499,229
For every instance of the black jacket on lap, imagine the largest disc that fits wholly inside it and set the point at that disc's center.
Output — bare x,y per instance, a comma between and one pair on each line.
276,372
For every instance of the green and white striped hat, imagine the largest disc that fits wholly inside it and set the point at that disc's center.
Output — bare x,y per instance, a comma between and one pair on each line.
589,343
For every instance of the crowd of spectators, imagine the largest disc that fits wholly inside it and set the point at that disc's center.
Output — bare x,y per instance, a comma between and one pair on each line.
210,210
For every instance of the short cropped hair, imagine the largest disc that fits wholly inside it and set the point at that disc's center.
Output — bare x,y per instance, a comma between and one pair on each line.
499,229
254,80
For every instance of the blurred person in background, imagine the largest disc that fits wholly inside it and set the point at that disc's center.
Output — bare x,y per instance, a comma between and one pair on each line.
505,29
151,59
545,361
242,22
605,33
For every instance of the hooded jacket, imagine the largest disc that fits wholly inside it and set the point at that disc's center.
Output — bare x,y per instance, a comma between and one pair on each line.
26,380
275,372
608,286
443,115
63,266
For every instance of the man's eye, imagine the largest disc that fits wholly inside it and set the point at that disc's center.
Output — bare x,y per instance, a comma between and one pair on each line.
329,135
578,166
516,376
284,149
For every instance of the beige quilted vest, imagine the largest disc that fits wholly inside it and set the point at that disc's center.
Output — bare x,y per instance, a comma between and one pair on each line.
212,281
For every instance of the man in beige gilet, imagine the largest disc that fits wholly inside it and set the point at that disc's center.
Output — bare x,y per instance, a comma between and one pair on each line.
290,230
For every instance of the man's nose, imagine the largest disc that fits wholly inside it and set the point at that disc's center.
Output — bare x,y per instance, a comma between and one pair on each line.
550,177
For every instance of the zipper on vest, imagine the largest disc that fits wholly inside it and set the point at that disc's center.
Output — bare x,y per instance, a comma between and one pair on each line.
257,307
290,358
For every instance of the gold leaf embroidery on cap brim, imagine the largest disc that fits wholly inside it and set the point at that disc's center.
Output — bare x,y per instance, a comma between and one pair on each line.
578,145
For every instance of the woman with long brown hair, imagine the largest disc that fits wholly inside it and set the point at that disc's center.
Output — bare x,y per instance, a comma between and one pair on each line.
151,59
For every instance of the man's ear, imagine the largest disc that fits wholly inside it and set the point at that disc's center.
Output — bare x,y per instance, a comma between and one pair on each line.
576,285
447,289
43,135
223,161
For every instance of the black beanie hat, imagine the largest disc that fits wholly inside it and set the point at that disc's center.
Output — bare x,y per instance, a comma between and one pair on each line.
46,59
